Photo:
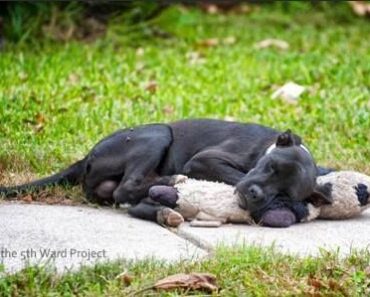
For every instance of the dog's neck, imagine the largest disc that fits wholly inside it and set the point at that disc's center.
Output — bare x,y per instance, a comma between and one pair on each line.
273,146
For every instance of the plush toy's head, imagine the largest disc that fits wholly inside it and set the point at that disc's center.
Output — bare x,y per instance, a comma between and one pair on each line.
350,193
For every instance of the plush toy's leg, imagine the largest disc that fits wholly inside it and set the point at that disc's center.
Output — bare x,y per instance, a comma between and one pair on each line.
168,217
202,216
199,223
165,195
279,218
152,211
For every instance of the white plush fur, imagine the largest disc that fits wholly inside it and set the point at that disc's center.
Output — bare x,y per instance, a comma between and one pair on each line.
345,202
211,201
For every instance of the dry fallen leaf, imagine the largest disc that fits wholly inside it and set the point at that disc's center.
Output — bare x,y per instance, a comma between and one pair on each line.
140,51
27,199
334,285
210,42
277,43
39,122
367,271
168,110
40,119
242,9
192,281
125,278
229,119
23,76
361,8
314,282
229,40
73,78
225,7
151,86
195,58
211,8
290,92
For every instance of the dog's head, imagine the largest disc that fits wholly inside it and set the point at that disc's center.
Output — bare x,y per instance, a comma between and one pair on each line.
287,169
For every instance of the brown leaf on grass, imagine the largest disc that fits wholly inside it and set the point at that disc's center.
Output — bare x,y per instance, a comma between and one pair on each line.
229,40
151,86
193,281
271,42
229,119
316,283
213,42
367,271
140,52
125,278
210,42
211,9
23,76
242,9
168,110
334,285
361,8
195,58
40,118
39,123
73,78
27,199
225,7
290,92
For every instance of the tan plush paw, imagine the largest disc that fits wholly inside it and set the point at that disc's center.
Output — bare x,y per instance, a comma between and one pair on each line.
169,217
179,179
313,213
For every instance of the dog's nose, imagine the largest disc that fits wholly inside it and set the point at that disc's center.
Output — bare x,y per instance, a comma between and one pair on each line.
255,192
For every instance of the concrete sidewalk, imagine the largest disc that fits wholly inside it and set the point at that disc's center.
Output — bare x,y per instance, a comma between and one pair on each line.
301,239
69,236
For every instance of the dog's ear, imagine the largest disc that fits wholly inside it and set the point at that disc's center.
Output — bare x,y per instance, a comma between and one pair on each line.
287,138
321,195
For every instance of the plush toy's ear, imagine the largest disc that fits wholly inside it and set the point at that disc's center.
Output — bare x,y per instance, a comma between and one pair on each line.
287,138
321,195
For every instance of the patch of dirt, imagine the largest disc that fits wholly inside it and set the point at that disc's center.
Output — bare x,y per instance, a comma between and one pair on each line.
55,195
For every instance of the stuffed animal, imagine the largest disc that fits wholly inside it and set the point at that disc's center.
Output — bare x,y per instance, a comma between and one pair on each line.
349,192
205,203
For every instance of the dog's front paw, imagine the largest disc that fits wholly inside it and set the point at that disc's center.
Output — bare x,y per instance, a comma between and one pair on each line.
178,179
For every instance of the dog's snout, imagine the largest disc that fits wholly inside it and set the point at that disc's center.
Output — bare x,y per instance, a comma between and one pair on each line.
255,192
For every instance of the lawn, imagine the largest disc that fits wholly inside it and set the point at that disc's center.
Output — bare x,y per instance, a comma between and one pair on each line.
247,271
59,98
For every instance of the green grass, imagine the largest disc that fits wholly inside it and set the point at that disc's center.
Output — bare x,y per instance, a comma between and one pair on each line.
247,271
59,98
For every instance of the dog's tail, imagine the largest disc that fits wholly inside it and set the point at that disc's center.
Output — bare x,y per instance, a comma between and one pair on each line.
70,176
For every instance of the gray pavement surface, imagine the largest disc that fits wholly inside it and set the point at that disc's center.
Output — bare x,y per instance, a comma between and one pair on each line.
68,236
82,235
301,239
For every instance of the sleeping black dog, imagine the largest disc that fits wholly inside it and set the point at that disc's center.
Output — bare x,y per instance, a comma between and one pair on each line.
262,162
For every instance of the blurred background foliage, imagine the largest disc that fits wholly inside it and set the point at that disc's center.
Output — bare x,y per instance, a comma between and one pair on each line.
31,21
